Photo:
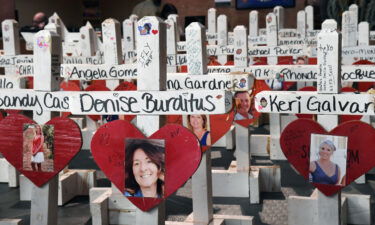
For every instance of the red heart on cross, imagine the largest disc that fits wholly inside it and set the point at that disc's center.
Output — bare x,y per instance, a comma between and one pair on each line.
295,142
181,150
20,140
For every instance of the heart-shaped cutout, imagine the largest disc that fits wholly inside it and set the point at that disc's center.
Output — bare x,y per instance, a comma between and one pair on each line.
244,103
182,158
297,138
39,157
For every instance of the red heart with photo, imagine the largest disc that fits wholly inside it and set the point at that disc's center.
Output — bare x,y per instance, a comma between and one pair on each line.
39,152
358,156
168,158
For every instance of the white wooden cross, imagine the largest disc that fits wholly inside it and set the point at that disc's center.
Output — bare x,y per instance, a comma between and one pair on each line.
302,35
11,43
47,62
138,102
327,209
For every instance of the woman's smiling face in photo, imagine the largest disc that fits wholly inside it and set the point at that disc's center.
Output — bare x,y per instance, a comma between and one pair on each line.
196,121
145,171
325,151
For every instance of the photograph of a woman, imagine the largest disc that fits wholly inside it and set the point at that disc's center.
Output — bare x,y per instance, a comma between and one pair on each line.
37,150
198,124
329,167
144,168
38,147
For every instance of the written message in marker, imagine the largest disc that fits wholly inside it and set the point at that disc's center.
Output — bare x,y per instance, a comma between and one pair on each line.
180,60
278,50
25,69
98,72
8,82
11,60
227,82
39,102
311,103
122,102
95,60
152,102
359,51
361,73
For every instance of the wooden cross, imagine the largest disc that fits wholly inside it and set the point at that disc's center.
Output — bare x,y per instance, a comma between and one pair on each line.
327,104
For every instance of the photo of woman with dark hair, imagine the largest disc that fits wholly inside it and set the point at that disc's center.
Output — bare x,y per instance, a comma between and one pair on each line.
144,168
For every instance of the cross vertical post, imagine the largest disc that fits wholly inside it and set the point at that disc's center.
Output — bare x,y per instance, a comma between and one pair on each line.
202,178
152,72
112,45
329,82
47,60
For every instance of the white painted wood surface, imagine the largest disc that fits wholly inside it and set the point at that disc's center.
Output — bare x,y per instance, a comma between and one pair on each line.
112,45
211,24
171,45
11,42
48,57
202,178
279,12
87,40
329,207
90,72
301,24
237,82
11,222
178,29
128,47
11,60
310,103
349,33
309,17
222,36
240,46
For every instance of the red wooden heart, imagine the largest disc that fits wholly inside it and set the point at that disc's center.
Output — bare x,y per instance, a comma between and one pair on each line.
182,156
67,141
295,143
259,86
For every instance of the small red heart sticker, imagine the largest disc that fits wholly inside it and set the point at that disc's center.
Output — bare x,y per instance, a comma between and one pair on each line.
155,31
